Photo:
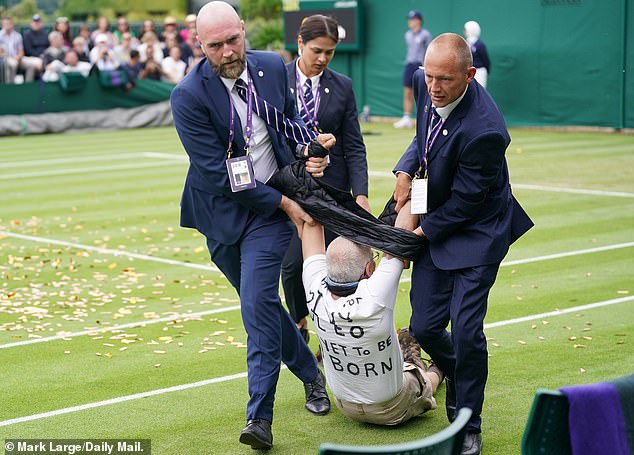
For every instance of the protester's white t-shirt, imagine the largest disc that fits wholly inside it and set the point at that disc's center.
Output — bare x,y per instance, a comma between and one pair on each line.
358,340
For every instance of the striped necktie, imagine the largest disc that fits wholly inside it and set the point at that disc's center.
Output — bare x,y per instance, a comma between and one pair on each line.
435,118
276,119
308,106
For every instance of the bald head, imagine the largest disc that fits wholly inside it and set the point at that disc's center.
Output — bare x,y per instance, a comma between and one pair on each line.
214,15
448,68
346,260
221,34
454,47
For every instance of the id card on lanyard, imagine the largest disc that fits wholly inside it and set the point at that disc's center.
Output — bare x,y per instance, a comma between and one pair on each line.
420,183
240,168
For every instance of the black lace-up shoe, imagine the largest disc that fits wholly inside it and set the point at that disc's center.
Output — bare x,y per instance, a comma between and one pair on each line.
257,434
317,400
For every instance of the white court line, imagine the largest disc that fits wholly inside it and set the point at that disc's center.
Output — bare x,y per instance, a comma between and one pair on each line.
526,186
556,189
123,399
222,310
215,269
169,156
76,159
84,170
121,253
178,388
555,256
573,309
173,317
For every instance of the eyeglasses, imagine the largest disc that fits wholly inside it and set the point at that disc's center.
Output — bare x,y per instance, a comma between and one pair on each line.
375,256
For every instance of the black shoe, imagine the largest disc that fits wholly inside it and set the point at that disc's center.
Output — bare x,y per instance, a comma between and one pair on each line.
317,400
472,444
450,399
257,434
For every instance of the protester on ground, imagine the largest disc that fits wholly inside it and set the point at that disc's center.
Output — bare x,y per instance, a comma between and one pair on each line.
375,376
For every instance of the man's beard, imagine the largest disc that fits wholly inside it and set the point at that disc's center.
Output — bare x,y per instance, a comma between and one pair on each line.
232,70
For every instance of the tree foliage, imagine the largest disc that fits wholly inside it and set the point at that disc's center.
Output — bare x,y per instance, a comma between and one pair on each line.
265,9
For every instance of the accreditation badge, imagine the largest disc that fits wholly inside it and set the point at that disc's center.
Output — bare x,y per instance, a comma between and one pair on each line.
419,196
241,176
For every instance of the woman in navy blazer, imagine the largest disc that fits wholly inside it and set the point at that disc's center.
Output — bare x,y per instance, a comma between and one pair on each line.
333,109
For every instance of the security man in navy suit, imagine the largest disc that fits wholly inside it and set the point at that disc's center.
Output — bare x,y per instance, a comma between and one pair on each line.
456,175
326,102
233,151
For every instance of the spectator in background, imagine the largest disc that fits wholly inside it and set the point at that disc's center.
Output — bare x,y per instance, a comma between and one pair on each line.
63,26
417,39
55,49
149,41
170,42
173,67
122,51
71,64
123,27
197,56
101,52
478,51
81,48
151,69
169,28
148,26
187,46
12,50
189,28
133,66
35,42
84,32
103,28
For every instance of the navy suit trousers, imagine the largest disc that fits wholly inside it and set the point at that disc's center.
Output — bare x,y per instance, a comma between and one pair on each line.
252,266
460,296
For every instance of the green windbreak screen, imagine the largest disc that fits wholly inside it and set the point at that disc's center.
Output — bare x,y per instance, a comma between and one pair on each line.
40,97
554,62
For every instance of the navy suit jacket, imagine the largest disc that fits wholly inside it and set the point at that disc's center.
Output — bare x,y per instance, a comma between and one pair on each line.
472,216
200,107
337,114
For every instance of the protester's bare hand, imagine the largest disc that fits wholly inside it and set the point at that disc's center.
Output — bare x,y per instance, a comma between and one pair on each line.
363,201
316,166
402,190
405,219
297,214
327,140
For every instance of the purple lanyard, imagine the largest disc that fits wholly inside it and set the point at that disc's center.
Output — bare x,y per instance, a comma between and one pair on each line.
232,118
300,92
432,134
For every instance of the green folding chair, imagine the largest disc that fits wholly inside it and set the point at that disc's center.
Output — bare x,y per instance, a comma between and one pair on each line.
446,442
547,431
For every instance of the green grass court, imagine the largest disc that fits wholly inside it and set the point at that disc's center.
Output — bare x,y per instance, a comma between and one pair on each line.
90,246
